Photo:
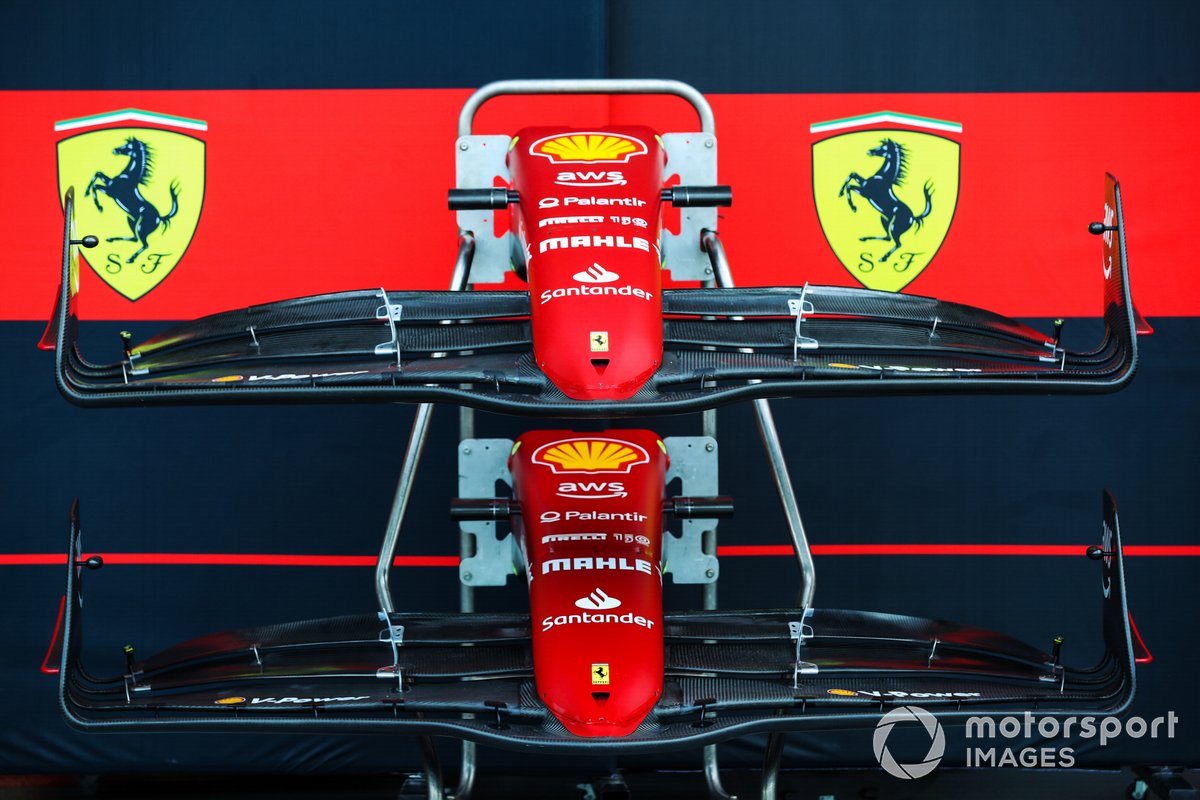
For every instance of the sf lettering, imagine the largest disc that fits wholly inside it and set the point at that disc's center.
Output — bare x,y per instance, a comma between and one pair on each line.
904,262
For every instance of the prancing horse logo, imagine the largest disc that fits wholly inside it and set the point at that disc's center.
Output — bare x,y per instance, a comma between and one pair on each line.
125,190
144,224
862,160
879,191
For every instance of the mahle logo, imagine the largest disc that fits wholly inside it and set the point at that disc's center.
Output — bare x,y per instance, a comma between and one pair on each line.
138,189
902,716
885,195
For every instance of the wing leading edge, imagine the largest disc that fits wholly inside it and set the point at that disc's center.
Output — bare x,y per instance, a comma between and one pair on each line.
720,345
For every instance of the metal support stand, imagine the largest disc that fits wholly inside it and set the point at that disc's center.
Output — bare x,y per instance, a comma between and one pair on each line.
712,770
787,496
466,604
770,438
771,760
433,768
408,471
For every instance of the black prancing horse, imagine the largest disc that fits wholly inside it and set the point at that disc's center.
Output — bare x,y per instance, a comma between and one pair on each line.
125,190
879,191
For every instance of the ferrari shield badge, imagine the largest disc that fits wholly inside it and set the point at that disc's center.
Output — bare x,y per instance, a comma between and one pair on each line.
139,190
886,194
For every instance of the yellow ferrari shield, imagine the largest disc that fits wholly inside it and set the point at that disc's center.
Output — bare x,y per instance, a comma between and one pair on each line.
140,191
885,199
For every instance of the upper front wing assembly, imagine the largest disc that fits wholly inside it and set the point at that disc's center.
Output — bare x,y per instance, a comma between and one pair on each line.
720,345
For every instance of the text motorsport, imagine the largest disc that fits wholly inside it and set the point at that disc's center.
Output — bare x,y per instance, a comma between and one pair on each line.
1027,726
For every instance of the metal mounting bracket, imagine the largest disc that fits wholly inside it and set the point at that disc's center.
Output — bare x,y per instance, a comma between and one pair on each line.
481,463
694,463
801,632
478,162
798,308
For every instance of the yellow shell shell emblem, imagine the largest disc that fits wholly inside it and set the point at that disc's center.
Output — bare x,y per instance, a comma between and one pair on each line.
590,455
230,701
588,147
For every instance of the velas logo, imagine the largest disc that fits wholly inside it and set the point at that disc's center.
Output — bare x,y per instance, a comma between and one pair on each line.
139,190
588,147
905,715
598,601
590,454
596,274
885,195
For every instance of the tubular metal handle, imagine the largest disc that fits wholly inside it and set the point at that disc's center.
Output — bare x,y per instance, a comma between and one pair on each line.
595,86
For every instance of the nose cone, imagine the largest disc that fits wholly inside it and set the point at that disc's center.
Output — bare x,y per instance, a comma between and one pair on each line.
599,661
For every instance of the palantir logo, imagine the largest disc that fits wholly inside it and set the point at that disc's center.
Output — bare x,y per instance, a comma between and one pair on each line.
937,744
596,274
597,601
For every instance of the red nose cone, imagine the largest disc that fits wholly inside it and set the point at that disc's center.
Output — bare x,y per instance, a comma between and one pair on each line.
589,221
591,523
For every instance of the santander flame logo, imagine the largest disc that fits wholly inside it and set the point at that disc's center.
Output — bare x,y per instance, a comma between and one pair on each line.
597,601
596,274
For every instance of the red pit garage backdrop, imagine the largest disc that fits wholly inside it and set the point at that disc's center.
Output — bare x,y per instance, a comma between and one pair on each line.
301,192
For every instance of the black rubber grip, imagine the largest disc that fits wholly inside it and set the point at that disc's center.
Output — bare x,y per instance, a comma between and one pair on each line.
481,199
718,507
681,196
485,509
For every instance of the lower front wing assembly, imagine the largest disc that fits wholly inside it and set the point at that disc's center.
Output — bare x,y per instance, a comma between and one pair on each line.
470,676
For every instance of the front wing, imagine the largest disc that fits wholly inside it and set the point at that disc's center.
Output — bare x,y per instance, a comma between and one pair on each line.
470,676
720,345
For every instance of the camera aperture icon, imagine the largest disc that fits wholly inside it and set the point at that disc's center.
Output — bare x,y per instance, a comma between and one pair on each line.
909,714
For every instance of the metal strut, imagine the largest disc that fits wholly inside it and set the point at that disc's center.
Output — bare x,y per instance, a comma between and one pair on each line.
770,439
416,446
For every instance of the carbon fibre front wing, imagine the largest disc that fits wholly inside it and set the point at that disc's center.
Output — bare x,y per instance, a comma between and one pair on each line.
470,676
720,345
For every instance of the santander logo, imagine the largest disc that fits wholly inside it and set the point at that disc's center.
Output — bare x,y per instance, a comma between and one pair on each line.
596,274
597,601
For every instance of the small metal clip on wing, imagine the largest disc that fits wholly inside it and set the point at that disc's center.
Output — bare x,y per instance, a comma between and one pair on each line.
394,636
800,633
798,308
391,313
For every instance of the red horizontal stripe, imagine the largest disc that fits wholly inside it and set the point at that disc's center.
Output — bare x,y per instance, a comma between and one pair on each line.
283,560
951,550
232,559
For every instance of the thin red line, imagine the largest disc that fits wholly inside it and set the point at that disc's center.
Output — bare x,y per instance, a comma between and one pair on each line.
951,550
282,560
47,667
233,559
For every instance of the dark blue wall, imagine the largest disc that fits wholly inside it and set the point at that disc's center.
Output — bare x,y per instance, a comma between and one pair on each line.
318,480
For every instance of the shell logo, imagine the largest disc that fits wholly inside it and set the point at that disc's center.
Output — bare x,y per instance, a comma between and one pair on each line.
588,147
230,701
590,455
841,692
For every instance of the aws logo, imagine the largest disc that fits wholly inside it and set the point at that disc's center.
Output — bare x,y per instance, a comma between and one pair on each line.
885,195
592,490
588,147
140,190
590,454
